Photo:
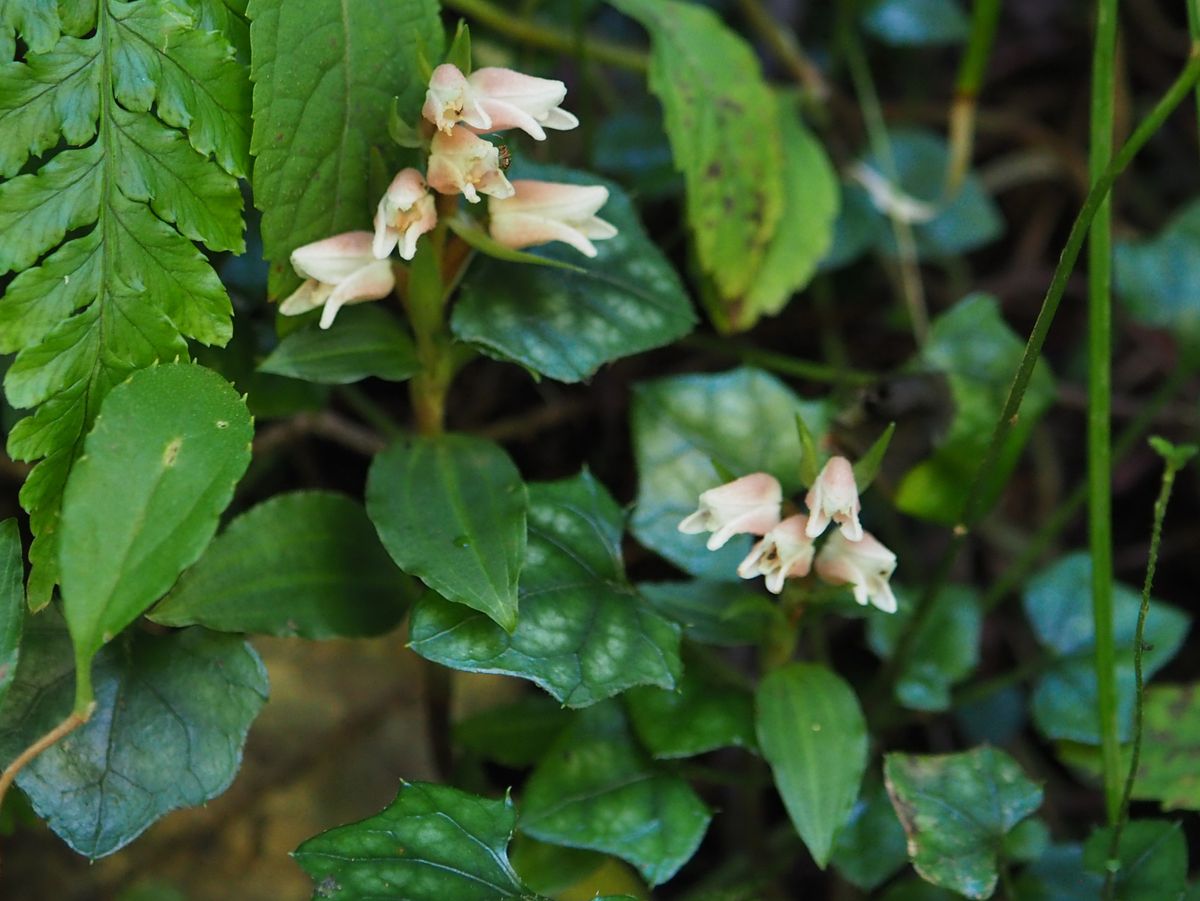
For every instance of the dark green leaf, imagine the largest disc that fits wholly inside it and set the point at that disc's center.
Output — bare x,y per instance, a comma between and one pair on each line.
944,651
812,732
451,511
36,21
1156,278
871,847
566,324
1059,606
583,634
516,734
553,869
433,843
708,710
720,613
325,75
1058,875
1152,856
734,174
158,469
867,466
364,341
595,789
811,461
171,716
306,563
459,53
957,810
12,602
745,419
979,353
916,22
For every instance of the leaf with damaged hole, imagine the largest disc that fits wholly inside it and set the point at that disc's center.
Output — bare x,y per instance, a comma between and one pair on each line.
957,810
172,713
143,501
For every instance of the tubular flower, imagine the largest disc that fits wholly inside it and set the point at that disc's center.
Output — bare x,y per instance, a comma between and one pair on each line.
749,504
463,162
406,211
495,99
834,496
865,565
340,271
783,552
542,211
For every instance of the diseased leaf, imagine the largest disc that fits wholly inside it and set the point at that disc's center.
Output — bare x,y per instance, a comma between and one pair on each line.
158,469
12,602
451,511
744,420
128,286
979,354
431,844
307,563
595,789
1059,607
813,734
363,342
957,810
944,651
1152,857
723,124
325,74
583,633
171,717
566,323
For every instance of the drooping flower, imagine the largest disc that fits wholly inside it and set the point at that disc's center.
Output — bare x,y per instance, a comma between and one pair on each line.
406,211
866,565
462,162
785,551
834,497
542,211
339,271
495,99
746,505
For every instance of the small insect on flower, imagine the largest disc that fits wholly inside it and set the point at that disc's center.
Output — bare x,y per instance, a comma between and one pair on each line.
505,157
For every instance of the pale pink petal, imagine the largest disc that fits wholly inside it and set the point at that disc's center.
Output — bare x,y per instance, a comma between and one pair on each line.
385,236
308,296
834,496
333,259
372,282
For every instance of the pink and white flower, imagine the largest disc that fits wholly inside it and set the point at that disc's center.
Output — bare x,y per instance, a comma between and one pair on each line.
543,211
746,505
461,162
834,497
784,552
866,565
406,211
339,271
495,99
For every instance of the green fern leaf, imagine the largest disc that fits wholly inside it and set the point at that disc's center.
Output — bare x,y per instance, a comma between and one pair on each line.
154,112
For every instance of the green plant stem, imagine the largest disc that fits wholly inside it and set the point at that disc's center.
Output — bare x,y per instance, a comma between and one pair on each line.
781,363
1017,571
984,16
1099,439
973,504
503,21
1193,20
784,47
1160,513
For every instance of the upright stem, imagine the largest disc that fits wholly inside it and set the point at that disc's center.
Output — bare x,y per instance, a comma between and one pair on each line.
1099,403
984,18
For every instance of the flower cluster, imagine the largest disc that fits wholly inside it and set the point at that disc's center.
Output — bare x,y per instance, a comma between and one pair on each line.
354,267
788,549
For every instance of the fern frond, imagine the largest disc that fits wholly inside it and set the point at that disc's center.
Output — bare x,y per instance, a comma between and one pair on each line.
149,115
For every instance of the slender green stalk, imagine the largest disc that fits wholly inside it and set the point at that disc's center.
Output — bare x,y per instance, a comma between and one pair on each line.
784,47
1099,405
984,16
1193,19
973,504
1175,459
503,21
782,363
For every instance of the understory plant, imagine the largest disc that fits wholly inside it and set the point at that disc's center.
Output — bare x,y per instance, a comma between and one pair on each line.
601,428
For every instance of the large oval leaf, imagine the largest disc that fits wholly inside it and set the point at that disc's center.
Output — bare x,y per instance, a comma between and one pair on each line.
308,563
172,713
451,511
813,733
566,323
143,501
584,634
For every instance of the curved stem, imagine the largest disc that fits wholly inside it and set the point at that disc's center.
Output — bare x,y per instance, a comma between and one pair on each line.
973,504
55,735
